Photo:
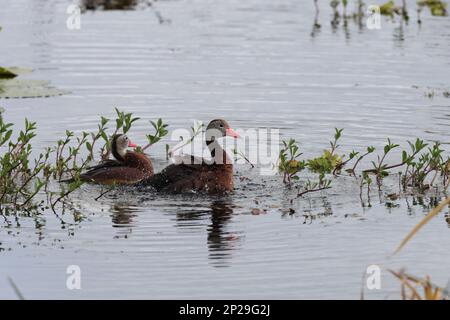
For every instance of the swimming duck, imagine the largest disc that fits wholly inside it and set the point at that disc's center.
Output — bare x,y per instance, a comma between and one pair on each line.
129,167
200,174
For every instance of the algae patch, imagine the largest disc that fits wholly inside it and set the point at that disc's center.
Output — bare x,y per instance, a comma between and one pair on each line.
28,88
16,88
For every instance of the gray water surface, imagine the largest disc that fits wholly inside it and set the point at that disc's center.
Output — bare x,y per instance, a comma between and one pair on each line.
256,64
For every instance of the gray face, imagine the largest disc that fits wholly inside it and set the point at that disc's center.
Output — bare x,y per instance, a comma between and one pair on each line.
216,129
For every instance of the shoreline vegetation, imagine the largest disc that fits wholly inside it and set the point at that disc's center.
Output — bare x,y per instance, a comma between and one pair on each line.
422,167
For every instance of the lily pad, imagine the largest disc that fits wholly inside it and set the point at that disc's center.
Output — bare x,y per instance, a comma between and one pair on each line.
27,88
6,74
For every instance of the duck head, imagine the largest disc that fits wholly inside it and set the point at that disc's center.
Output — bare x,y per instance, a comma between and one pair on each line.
119,145
219,128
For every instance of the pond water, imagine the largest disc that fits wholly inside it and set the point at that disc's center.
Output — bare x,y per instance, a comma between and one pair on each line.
257,64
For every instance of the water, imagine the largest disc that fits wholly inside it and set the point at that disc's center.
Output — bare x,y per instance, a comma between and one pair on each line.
255,64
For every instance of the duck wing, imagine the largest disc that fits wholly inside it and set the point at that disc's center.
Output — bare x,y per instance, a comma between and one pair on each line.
106,164
175,178
113,175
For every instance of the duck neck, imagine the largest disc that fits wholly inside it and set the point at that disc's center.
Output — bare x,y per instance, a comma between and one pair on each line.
218,155
119,155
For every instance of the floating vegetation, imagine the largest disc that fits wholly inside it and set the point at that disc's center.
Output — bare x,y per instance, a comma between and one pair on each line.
15,88
6,74
420,168
28,88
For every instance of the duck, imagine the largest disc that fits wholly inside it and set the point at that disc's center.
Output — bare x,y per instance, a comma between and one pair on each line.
196,174
129,167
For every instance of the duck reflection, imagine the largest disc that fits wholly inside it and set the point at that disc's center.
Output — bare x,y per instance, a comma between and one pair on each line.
122,216
221,242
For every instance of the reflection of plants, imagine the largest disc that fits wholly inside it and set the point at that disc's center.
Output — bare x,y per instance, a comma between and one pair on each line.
365,181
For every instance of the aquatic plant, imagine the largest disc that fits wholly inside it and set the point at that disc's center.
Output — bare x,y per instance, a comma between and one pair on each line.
389,8
124,121
329,160
238,153
23,178
419,167
437,7
196,130
313,186
370,150
288,162
19,180
161,131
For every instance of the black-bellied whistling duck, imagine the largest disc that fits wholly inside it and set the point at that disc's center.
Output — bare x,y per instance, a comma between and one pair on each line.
129,167
199,174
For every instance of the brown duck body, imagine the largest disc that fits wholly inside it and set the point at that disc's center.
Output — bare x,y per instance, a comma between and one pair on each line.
130,169
202,177
194,174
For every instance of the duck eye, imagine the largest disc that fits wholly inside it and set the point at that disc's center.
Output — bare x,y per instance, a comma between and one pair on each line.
221,125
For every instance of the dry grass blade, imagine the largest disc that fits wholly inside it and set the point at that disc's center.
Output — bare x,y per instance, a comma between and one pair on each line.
405,283
425,220
16,289
430,290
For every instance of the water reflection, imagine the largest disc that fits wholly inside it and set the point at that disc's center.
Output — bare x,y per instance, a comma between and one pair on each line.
220,241
122,217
